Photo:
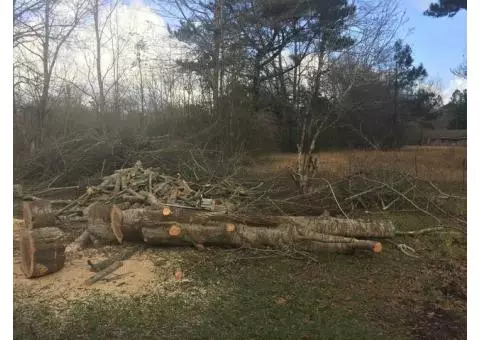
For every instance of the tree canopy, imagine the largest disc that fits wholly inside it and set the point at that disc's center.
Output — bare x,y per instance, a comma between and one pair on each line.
444,8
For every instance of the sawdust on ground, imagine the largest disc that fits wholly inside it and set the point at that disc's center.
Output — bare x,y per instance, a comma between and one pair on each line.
134,276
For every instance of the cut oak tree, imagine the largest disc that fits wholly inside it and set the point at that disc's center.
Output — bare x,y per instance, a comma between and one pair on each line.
42,251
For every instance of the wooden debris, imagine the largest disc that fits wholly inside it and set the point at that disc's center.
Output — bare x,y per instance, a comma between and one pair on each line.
42,251
125,255
103,273
140,205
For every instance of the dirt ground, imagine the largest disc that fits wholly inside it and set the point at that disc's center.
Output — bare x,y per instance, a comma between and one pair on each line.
138,274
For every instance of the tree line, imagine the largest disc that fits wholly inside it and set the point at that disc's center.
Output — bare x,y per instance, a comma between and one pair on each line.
259,75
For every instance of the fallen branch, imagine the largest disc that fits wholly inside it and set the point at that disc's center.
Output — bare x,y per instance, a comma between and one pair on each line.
419,232
101,274
125,255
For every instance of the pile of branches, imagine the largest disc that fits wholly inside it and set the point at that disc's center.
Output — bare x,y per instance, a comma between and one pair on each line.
382,190
86,157
142,204
139,187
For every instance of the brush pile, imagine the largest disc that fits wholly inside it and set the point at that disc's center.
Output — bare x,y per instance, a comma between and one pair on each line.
144,206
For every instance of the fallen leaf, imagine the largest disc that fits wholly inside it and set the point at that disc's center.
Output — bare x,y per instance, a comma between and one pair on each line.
178,275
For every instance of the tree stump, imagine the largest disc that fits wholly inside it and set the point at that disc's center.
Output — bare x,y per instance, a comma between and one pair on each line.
38,214
42,251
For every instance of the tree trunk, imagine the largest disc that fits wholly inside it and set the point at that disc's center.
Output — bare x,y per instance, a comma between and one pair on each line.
216,57
101,94
161,227
238,235
132,220
99,224
42,251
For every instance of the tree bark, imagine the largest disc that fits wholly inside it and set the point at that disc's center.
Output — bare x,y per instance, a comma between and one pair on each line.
38,214
99,223
42,251
98,38
238,235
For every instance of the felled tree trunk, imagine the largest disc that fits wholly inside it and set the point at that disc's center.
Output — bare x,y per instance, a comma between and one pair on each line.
238,235
38,214
100,230
159,228
131,221
343,227
99,223
181,226
42,251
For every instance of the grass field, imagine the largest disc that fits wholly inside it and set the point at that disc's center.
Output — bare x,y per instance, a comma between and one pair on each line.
266,294
438,164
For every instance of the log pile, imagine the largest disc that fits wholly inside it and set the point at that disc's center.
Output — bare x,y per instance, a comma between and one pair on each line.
140,205
200,228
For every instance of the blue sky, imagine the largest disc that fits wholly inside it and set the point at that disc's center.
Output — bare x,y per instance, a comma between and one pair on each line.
439,43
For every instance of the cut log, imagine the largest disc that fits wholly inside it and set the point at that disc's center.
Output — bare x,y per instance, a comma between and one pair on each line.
99,223
343,227
38,214
42,251
132,220
167,226
239,235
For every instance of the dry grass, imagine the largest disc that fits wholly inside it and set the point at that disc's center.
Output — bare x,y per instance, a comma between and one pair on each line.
437,164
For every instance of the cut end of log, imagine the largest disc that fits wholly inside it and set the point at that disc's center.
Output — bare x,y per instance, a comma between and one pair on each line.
116,219
166,211
230,227
174,230
42,251
377,247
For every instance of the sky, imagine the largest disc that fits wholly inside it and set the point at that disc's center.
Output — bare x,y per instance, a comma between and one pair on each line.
439,43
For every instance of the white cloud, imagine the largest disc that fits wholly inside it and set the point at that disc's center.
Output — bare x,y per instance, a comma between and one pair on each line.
133,22
456,83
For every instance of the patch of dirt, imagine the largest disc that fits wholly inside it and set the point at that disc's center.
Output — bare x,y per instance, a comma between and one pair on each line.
133,277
